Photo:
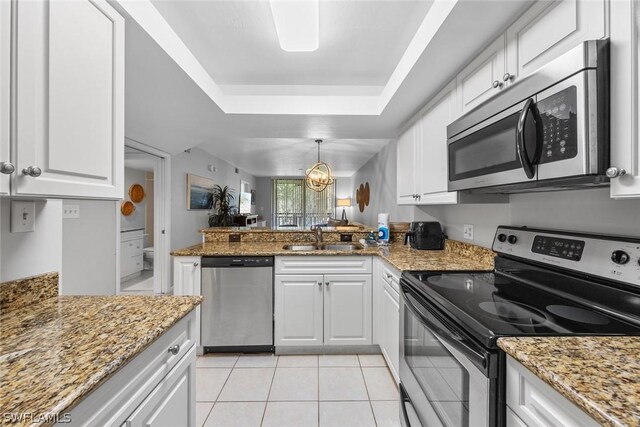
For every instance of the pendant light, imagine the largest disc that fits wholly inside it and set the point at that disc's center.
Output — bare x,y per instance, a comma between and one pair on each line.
318,176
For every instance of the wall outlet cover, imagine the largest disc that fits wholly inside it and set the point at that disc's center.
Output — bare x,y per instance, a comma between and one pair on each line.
23,217
467,231
70,211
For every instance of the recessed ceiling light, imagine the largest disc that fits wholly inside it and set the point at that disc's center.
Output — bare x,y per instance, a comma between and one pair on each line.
297,24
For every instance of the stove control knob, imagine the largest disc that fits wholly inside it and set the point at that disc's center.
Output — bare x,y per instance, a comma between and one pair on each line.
502,237
512,239
620,257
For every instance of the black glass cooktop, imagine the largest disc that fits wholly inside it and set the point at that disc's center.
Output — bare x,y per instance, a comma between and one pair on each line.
491,305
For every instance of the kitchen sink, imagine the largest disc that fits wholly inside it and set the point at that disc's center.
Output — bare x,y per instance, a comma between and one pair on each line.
301,247
341,247
324,246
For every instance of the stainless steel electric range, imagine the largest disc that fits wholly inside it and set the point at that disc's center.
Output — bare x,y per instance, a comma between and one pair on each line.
545,283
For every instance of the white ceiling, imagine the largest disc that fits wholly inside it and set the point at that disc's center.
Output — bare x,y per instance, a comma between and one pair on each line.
174,102
361,42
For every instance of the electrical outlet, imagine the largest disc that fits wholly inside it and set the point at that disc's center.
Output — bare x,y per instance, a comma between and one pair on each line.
23,216
467,231
70,211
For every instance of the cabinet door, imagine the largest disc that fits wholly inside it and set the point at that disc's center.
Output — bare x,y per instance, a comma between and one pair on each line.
406,167
298,309
186,276
347,310
432,150
475,84
173,401
625,97
391,329
549,29
5,87
69,99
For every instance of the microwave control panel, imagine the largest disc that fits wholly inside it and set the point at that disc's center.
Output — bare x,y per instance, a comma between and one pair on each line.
559,126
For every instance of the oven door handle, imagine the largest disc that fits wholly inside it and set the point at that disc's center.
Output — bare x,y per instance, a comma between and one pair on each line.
529,155
448,335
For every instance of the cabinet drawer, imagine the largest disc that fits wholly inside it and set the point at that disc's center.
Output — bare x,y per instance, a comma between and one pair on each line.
537,404
116,399
131,265
323,265
131,248
391,277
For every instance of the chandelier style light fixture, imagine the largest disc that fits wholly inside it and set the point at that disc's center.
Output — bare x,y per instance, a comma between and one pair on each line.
318,176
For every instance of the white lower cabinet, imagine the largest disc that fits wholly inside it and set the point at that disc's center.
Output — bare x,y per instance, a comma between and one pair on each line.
315,309
387,314
187,278
156,388
299,309
532,402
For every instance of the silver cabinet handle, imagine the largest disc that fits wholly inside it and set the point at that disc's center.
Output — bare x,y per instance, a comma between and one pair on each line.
508,77
174,349
497,84
33,171
614,172
326,283
319,283
195,264
7,168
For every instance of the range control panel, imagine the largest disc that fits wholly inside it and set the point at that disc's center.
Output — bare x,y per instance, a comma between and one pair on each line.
610,257
557,247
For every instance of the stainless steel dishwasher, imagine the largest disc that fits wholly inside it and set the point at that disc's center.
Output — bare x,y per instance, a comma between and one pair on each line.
237,312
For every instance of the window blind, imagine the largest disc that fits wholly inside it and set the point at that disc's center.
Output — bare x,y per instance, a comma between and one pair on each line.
294,205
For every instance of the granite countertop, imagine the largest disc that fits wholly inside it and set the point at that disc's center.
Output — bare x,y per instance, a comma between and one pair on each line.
455,256
55,351
599,374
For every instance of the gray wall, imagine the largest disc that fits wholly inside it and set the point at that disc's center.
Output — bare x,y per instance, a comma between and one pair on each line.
137,218
29,254
380,172
89,248
184,223
579,210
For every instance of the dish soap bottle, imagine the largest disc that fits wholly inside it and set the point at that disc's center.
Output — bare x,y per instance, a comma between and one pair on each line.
383,228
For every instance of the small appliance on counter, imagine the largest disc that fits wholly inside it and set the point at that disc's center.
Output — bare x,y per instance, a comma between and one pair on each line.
425,235
383,228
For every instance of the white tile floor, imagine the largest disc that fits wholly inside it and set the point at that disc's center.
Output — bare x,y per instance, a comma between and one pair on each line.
300,391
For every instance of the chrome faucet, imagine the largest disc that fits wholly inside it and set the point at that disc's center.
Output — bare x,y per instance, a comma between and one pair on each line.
318,231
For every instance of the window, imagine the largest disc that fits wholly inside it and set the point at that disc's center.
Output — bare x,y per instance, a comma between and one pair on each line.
294,205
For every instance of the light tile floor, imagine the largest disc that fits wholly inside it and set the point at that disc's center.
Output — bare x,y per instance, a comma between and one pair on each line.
296,391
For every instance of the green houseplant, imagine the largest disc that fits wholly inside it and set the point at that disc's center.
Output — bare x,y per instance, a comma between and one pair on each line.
223,208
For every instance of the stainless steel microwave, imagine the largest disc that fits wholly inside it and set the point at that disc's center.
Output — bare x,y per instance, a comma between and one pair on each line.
548,131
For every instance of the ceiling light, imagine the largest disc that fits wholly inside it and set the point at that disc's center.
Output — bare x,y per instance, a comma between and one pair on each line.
297,24
318,176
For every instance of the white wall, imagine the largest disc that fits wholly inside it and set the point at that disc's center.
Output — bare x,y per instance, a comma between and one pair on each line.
578,210
380,172
89,249
264,199
137,219
184,223
37,252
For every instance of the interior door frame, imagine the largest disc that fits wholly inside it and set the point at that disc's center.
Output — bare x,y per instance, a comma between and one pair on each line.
161,218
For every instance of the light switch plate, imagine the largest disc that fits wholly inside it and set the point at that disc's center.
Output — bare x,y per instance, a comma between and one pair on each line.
23,216
70,211
467,231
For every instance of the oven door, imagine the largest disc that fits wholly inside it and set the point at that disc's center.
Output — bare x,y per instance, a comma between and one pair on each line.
503,149
446,378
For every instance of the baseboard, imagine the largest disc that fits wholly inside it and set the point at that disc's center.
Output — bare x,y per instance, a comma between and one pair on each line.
326,349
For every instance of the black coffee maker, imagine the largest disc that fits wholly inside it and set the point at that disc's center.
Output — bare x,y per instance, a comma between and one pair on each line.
425,235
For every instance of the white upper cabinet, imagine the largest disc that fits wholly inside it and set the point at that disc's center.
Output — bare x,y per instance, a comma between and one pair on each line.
625,97
549,29
5,87
432,150
483,77
69,99
406,166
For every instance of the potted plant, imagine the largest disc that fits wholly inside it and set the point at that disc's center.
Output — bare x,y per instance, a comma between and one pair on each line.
222,204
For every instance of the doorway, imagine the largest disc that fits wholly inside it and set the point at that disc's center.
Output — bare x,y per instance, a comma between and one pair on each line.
142,234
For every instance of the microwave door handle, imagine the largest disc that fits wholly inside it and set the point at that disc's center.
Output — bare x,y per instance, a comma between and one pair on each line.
527,159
